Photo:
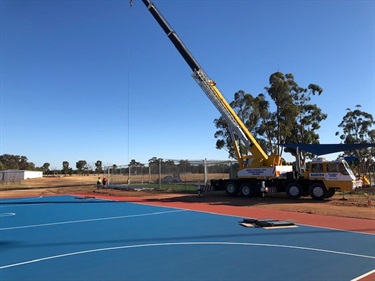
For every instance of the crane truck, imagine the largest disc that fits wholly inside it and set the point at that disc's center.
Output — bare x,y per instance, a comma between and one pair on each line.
258,172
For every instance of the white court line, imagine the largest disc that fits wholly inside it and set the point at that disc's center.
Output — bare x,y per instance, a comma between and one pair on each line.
6,200
364,275
17,200
182,243
90,220
237,216
7,214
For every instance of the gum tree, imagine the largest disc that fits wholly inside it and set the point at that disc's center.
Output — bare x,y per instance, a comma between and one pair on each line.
252,111
99,167
289,118
356,127
65,167
81,166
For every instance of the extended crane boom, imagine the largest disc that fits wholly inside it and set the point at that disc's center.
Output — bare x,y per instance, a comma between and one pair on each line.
236,127
259,173
172,35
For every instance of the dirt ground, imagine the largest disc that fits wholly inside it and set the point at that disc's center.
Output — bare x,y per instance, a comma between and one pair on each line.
361,205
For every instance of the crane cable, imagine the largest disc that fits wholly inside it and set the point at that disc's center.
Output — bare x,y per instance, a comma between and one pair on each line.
128,78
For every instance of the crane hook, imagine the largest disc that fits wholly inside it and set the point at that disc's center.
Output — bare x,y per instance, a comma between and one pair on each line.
131,3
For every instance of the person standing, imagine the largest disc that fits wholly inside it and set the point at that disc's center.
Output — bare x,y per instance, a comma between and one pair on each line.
105,181
98,183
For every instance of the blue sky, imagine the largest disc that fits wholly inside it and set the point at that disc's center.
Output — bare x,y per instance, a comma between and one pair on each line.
98,80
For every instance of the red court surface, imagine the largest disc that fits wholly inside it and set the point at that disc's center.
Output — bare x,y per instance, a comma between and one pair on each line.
339,223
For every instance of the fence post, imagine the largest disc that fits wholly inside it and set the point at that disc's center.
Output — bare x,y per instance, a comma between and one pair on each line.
108,176
159,173
149,173
129,173
205,171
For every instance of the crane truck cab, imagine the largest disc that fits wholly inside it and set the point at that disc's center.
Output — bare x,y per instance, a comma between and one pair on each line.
325,177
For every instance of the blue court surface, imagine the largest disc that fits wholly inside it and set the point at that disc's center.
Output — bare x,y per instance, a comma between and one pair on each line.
81,238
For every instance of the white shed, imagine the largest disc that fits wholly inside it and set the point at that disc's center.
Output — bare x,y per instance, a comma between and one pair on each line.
16,175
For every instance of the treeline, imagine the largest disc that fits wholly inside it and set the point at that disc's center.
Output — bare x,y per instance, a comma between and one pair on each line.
167,166
17,162
154,165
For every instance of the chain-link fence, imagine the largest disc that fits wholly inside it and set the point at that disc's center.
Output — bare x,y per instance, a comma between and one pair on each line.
175,174
162,172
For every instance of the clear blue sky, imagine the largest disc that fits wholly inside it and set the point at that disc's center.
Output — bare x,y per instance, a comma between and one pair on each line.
98,80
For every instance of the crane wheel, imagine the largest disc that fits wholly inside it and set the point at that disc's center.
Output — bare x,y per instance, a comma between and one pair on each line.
294,190
247,190
330,192
318,191
231,188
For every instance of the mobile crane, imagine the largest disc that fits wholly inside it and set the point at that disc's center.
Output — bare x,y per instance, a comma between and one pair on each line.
260,173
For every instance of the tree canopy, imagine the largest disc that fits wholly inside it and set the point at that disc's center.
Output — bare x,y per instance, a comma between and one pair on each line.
15,162
356,127
290,118
98,166
82,166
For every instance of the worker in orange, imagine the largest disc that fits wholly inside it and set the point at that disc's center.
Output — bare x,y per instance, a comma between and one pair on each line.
105,182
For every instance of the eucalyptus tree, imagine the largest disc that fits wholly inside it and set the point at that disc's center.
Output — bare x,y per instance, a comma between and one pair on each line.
99,167
184,166
290,118
309,115
297,118
65,168
16,162
250,110
153,165
356,128
81,166
45,168
135,164
286,112
114,169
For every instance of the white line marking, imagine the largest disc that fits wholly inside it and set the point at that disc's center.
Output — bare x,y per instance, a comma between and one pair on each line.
6,200
22,206
4,203
237,216
89,220
7,214
364,275
181,243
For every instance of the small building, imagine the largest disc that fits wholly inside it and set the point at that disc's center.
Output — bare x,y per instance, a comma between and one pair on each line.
17,175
